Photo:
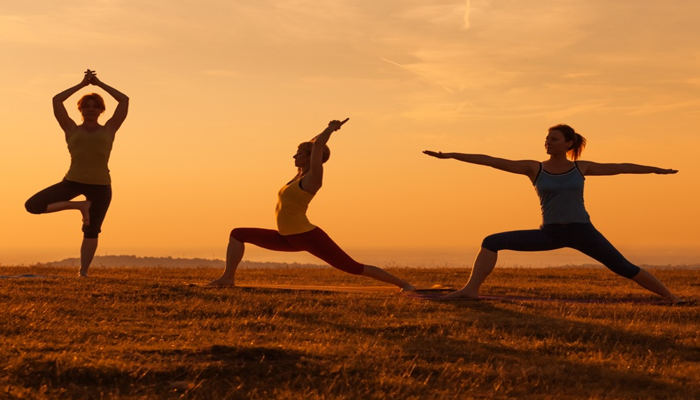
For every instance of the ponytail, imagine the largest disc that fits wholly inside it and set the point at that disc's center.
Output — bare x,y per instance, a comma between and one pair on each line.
570,135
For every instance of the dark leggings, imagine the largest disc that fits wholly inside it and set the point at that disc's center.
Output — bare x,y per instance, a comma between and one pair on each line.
315,241
582,237
99,195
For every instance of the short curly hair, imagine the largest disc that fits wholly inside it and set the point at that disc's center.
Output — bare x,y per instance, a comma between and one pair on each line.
92,96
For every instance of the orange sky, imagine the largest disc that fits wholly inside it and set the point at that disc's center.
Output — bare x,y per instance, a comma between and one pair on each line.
222,92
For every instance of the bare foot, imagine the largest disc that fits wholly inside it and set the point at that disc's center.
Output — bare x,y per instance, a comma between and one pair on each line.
221,282
85,211
82,274
677,301
407,289
460,294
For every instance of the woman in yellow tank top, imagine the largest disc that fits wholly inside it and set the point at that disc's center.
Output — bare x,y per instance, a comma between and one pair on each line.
294,231
90,145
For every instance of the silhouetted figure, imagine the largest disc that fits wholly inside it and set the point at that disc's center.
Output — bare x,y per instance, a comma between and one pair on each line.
90,145
559,183
294,231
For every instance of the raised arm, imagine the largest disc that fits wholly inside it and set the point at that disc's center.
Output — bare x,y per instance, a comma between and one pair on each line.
593,168
313,180
522,167
59,109
122,109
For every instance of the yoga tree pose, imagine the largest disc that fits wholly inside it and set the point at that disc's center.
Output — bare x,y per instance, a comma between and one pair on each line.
294,231
559,184
90,145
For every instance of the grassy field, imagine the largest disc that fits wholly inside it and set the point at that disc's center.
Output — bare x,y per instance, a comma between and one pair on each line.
143,333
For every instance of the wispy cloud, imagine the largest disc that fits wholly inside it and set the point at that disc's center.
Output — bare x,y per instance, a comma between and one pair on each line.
413,71
222,73
467,10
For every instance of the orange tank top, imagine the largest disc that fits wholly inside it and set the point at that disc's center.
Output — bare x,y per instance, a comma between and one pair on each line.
292,203
89,156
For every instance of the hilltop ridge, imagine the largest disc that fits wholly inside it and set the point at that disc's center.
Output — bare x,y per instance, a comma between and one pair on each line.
136,261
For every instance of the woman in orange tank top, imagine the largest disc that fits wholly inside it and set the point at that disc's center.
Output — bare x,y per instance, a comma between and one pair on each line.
90,145
294,231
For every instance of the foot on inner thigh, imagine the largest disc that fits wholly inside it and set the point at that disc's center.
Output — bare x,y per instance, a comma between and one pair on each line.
85,211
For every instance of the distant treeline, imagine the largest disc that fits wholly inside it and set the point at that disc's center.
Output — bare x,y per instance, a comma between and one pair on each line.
135,261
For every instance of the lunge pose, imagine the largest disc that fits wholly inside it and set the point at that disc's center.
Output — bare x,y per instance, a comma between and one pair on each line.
294,231
90,145
559,183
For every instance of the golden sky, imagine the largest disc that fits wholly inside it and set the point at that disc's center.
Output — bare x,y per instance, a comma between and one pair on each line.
222,92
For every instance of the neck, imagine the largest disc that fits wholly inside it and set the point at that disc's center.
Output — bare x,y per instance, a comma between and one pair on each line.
90,124
558,158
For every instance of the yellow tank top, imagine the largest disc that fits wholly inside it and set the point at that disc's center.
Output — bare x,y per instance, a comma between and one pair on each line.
292,203
89,156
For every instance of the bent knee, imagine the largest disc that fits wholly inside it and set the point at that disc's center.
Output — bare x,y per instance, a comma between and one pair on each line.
91,232
236,233
491,243
35,207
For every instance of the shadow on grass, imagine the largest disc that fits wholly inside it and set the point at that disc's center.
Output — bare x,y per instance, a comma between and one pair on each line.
541,353
219,371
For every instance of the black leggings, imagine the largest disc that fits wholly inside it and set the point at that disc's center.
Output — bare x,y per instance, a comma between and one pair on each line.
582,237
99,195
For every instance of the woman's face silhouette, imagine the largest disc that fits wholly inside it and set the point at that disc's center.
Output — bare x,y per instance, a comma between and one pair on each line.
90,110
555,143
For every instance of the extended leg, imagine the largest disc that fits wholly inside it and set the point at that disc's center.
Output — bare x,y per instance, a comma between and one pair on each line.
383,276
595,245
649,282
318,243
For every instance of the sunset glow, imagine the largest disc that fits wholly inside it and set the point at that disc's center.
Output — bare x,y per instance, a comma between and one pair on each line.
222,92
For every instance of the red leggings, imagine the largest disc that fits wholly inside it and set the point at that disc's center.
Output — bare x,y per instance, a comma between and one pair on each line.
315,241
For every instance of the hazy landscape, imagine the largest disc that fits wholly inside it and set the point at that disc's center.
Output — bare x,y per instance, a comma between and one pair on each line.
182,262
146,333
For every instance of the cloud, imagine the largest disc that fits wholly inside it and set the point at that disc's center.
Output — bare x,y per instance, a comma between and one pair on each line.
467,10
413,71
223,73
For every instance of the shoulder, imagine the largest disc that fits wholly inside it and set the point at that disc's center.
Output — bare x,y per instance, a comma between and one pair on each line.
533,168
71,130
584,166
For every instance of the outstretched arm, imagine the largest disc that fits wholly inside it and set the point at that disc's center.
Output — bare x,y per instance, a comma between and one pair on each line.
593,168
122,109
59,109
313,180
522,167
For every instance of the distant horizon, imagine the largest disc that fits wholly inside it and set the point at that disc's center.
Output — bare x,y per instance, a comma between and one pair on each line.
391,257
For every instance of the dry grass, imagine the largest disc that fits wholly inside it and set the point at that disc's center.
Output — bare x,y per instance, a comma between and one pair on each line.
142,333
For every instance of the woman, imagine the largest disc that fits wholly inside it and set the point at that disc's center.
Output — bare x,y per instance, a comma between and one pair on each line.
90,145
565,222
294,231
